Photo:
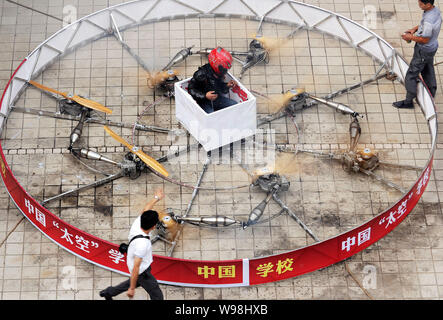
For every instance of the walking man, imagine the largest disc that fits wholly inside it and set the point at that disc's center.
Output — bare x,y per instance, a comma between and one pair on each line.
139,255
425,37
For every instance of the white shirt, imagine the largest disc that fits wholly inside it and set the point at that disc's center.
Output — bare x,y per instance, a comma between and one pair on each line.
140,247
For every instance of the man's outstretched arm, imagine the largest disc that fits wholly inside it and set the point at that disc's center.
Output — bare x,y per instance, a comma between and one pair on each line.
158,195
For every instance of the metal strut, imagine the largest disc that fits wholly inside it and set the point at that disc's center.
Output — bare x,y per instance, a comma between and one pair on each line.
188,209
380,178
85,187
58,115
294,216
118,36
377,76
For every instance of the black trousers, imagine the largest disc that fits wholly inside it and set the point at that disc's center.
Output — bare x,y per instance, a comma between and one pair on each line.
422,63
145,279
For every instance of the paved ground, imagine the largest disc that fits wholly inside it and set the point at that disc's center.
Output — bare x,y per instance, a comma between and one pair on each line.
407,264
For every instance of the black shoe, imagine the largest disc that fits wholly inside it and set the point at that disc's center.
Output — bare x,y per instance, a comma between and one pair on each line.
403,104
104,295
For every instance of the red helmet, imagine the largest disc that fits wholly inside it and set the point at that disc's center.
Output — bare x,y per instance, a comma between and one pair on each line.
220,60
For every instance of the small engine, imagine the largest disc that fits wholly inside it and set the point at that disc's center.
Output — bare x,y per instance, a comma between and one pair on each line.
364,159
367,159
133,166
272,182
296,104
167,226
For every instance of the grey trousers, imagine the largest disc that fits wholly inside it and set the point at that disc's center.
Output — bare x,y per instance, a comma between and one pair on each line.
145,279
422,63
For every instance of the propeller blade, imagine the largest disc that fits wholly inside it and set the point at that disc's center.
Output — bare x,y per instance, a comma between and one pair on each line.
151,162
279,102
82,101
90,104
258,172
283,164
44,88
156,78
118,138
270,43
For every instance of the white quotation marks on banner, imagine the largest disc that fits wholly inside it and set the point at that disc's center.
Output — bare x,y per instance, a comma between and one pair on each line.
69,14
370,17
69,278
370,278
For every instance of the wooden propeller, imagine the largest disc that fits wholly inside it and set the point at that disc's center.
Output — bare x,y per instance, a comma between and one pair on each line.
279,102
157,78
82,101
270,43
152,163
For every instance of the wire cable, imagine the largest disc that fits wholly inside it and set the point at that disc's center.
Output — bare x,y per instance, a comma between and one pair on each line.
35,10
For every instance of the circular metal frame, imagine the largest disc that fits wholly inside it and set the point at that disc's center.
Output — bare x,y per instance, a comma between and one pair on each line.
230,273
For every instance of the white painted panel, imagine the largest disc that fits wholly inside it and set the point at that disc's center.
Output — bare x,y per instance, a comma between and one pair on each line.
433,128
60,40
233,7
121,20
396,69
5,102
284,12
404,66
46,55
202,5
85,32
168,8
420,96
356,32
101,19
16,86
310,14
25,70
428,103
386,48
136,10
262,7
372,47
333,27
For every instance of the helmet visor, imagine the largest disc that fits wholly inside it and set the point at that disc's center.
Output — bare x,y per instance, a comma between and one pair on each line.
222,70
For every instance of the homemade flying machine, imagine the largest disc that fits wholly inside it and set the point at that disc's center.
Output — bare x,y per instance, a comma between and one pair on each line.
242,116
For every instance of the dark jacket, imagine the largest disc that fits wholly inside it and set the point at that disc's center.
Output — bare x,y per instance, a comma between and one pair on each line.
205,80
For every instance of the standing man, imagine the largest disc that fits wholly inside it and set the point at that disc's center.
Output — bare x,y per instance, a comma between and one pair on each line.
139,256
425,37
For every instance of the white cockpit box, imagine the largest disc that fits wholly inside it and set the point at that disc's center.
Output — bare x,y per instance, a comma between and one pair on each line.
219,128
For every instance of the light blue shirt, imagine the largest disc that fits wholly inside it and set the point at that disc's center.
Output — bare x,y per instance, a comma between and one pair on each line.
429,27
